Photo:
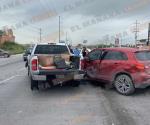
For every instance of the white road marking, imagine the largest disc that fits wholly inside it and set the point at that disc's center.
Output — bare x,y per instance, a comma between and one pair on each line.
19,112
21,69
8,79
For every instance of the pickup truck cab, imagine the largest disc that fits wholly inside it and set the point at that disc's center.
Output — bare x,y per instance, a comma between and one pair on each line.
54,64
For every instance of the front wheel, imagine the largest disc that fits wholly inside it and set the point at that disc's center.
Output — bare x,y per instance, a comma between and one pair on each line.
124,85
34,84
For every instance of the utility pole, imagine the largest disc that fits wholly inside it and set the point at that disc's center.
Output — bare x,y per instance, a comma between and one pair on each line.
136,31
66,38
40,35
121,41
59,29
148,35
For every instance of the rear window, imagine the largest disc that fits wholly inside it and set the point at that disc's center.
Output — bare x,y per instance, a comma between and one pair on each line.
143,55
51,49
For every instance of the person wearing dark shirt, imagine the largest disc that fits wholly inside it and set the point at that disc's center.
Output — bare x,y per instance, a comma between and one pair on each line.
84,52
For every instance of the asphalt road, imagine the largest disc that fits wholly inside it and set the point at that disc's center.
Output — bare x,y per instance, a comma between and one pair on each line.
85,105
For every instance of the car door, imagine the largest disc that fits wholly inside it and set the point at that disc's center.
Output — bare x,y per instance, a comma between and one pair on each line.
92,65
112,62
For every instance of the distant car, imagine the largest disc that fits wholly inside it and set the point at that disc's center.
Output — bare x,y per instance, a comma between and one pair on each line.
4,53
26,53
123,68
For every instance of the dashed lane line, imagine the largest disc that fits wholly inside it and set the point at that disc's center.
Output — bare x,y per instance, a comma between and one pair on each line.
8,79
22,69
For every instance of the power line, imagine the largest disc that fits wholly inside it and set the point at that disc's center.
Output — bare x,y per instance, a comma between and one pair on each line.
39,31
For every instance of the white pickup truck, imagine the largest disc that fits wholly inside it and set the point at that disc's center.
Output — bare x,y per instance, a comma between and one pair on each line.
53,64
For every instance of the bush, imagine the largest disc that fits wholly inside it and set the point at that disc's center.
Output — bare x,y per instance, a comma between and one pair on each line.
13,48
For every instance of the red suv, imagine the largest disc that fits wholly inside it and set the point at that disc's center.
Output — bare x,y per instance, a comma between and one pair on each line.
124,68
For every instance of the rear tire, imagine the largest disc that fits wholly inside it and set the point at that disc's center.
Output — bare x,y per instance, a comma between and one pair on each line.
34,84
124,85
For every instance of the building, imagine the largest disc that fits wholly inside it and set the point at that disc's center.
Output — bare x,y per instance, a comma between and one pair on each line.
6,35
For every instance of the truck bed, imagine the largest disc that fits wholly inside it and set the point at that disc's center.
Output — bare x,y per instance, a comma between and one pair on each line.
54,62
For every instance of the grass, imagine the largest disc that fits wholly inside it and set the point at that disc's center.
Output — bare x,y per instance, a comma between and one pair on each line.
13,48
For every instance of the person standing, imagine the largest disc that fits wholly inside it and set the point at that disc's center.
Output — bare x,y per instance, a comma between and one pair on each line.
84,51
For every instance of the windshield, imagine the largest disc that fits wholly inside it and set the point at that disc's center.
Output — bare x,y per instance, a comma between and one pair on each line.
143,56
51,49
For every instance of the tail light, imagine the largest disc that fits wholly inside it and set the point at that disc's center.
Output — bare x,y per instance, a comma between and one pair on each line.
140,66
82,64
34,65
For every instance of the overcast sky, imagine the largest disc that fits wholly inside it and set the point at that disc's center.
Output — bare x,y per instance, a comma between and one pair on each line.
96,21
